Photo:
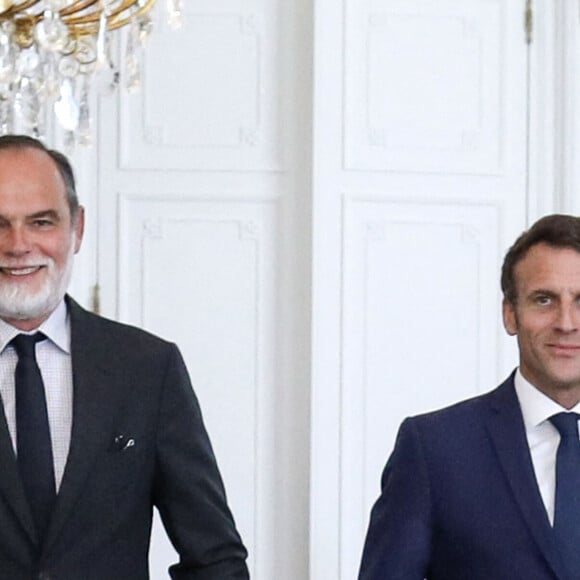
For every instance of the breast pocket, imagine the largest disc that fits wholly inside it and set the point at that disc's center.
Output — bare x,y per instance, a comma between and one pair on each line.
121,476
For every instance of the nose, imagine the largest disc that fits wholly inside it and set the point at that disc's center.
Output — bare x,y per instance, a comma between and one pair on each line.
16,242
568,317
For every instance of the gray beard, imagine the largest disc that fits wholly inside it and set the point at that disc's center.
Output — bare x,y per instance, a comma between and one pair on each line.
19,303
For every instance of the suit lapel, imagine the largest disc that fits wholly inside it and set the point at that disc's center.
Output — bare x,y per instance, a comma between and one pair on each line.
506,427
93,405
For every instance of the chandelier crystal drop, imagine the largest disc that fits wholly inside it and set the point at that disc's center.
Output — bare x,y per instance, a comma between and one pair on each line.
54,52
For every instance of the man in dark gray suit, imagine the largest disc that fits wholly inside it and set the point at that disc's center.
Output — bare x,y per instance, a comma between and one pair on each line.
124,432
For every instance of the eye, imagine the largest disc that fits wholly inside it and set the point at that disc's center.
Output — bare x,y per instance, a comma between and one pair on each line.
42,222
543,300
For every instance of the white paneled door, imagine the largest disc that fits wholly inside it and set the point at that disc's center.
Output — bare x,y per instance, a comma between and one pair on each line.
199,201
419,185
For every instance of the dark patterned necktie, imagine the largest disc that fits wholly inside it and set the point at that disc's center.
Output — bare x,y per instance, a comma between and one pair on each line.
567,504
34,448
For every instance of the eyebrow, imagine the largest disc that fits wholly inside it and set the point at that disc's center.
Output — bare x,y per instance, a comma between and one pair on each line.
51,213
45,213
542,292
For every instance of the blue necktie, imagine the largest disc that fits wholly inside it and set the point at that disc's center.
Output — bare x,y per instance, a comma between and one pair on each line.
567,505
34,446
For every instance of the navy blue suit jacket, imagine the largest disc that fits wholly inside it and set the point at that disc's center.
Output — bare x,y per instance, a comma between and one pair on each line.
137,441
460,501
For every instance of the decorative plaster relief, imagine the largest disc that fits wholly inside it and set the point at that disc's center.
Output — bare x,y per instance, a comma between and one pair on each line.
424,90
201,273
420,320
184,117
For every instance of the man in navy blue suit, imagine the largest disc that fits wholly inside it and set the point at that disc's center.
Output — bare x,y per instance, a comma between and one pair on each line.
475,491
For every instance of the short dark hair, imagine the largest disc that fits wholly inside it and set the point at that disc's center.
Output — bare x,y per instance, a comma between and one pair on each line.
557,230
62,163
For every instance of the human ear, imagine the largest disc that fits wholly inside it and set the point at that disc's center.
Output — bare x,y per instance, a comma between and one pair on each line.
79,227
510,321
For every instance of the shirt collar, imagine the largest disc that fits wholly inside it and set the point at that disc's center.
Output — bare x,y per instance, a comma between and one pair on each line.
536,407
56,327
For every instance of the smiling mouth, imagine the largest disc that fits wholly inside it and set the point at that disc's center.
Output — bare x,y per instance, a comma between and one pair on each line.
23,271
565,347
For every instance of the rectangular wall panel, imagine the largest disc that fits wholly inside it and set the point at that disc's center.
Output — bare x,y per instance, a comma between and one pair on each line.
209,98
423,92
421,320
202,274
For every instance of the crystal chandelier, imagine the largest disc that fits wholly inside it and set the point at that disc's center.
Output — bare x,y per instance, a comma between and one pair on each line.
54,52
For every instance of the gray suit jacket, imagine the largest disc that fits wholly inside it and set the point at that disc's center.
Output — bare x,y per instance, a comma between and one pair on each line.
127,385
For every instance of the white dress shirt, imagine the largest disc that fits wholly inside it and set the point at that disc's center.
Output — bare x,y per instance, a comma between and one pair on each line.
543,437
54,361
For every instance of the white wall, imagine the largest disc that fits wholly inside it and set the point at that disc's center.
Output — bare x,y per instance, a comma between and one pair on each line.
313,199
